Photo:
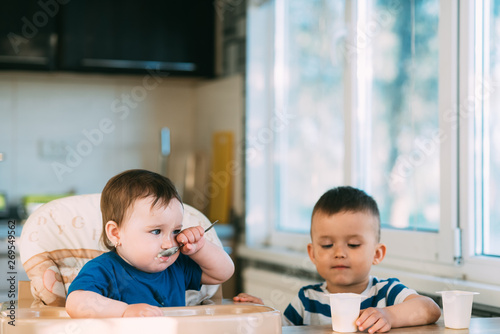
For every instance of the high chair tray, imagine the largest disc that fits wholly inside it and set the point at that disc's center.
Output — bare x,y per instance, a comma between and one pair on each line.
206,319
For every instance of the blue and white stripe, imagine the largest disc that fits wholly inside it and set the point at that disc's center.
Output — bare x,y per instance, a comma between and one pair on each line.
312,304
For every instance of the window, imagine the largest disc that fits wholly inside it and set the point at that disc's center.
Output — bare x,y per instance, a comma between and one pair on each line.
487,123
376,94
398,78
309,86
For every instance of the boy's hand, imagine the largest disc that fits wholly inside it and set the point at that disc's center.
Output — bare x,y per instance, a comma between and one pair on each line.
376,319
246,298
191,239
142,310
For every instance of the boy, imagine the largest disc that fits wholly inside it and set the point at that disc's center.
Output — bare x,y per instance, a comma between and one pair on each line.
142,216
345,243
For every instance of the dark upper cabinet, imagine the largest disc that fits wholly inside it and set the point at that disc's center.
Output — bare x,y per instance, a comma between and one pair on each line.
175,37
28,34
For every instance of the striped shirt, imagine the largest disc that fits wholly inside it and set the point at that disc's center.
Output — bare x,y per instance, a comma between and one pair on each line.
312,304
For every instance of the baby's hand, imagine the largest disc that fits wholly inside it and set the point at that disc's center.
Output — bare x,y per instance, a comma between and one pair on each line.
192,239
142,310
246,298
376,319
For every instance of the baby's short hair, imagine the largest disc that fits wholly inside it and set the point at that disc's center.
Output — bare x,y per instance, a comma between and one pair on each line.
122,190
347,199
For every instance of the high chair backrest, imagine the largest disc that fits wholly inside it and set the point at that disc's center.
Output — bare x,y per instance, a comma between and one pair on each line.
62,235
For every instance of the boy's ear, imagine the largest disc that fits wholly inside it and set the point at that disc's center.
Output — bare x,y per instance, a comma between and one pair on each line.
113,232
310,251
379,253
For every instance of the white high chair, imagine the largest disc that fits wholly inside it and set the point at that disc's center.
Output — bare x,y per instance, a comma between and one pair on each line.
64,234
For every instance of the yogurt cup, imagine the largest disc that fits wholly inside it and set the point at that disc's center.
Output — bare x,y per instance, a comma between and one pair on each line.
457,308
345,309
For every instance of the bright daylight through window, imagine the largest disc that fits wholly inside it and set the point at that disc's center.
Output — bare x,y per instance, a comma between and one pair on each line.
308,154
487,136
399,90
376,94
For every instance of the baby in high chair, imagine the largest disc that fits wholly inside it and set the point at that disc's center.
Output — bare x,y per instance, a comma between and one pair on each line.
142,216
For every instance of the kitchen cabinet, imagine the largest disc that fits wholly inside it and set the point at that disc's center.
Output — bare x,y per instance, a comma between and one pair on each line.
28,36
174,37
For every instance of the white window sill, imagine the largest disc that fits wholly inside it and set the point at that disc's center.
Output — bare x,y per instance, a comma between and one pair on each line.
427,284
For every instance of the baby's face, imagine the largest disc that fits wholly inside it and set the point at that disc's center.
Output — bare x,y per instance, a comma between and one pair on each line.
343,248
147,231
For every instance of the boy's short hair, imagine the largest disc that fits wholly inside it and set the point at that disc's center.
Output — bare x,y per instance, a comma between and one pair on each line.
347,199
122,190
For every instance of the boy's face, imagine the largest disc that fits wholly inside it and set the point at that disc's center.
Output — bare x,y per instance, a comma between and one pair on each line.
147,231
343,249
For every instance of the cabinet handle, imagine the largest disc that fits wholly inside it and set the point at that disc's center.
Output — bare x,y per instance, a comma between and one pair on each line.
24,60
139,64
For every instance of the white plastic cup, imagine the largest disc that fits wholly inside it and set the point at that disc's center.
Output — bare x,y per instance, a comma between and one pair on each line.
457,308
345,311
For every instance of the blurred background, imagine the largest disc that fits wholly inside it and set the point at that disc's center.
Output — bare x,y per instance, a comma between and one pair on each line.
254,109
89,89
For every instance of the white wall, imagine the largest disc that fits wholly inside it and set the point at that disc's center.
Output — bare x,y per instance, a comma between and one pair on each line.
43,114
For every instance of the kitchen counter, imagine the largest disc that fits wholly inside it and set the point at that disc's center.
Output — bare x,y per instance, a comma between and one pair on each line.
477,325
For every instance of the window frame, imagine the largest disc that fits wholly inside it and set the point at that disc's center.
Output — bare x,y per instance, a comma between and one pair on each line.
475,267
448,254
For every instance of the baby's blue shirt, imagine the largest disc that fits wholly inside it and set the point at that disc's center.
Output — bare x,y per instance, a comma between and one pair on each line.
110,276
